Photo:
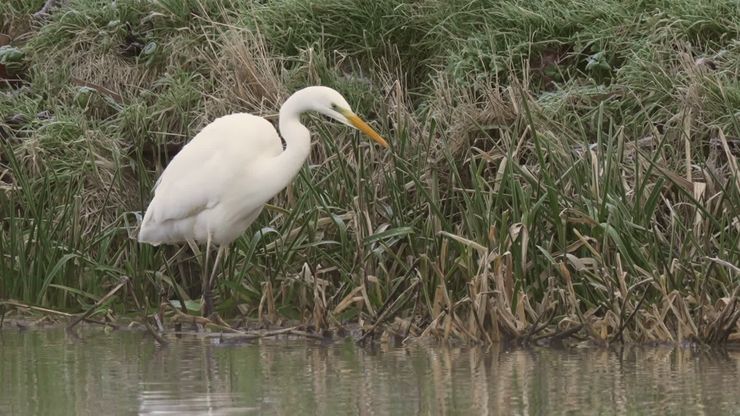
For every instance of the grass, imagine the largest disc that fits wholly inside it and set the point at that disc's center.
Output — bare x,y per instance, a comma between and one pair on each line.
558,169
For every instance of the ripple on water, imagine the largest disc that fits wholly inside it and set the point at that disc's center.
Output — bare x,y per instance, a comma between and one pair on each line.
50,372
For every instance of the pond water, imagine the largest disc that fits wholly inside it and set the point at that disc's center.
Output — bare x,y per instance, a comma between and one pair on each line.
50,372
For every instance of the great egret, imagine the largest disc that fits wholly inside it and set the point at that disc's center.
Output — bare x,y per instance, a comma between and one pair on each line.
216,186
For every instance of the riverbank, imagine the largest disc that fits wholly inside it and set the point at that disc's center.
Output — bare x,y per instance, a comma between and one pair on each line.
562,170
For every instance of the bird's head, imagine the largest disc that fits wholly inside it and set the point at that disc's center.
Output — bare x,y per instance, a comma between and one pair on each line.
332,104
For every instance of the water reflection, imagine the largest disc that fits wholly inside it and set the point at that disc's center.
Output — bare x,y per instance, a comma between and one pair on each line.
50,372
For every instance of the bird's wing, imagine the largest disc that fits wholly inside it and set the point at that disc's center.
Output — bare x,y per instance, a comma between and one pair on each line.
211,164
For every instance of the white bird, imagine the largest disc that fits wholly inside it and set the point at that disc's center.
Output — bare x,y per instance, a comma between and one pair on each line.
216,186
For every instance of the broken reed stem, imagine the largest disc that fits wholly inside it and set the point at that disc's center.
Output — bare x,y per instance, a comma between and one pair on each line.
122,283
250,335
144,321
623,324
381,318
206,322
559,336
154,333
47,311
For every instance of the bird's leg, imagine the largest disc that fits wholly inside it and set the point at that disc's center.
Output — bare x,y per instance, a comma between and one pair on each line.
208,298
220,252
183,282
199,258
205,286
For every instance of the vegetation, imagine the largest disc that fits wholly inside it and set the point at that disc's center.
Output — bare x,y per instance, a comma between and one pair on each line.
558,168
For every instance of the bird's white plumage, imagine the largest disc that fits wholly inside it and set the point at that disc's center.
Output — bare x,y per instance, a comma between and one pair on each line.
197,190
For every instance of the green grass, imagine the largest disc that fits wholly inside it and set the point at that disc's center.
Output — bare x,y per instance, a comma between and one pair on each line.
554,165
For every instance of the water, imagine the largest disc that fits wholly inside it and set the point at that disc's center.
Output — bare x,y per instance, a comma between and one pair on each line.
49,372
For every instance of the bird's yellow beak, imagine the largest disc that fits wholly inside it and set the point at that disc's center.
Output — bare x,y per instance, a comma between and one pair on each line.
363,127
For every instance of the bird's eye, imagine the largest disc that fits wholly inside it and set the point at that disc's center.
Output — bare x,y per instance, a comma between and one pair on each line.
334,107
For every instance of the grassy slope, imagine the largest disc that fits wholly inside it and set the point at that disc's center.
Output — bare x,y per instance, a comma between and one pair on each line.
561,163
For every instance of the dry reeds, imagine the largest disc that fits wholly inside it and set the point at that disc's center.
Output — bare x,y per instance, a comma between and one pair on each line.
544,185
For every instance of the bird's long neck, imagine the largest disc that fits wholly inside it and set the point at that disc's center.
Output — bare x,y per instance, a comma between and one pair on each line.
296,135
